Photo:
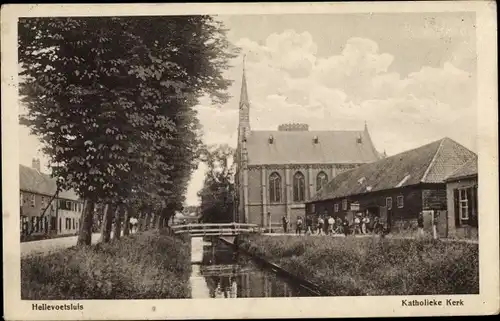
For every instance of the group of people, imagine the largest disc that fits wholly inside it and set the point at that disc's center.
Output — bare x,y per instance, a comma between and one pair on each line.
327,224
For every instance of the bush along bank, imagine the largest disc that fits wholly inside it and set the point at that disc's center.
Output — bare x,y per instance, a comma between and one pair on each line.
373,266
150,265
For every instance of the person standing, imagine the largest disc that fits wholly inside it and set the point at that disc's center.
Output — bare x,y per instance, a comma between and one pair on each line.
285,223
321,223
345,226
364,224
420,224
298,228
331,223
357,223
308,224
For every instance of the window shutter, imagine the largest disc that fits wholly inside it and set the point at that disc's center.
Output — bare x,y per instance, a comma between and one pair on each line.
456,203
470,203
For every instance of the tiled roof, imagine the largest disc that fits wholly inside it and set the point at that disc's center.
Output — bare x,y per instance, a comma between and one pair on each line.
298,147
469,169
430,163
31,180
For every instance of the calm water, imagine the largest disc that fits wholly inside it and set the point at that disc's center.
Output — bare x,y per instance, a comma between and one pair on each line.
225,274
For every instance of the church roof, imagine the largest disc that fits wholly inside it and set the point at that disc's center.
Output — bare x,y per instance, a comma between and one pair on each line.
34,181
431,163
299,147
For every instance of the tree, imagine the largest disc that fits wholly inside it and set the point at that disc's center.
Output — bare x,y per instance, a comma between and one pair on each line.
111,99
218,188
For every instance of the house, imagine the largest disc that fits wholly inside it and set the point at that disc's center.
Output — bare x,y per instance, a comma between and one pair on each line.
69,211
396,188
278,171
37,193
462,198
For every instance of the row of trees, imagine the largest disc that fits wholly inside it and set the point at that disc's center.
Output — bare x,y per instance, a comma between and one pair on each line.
112,100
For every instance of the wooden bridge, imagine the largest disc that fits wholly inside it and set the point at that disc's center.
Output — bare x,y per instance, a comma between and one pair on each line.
215,229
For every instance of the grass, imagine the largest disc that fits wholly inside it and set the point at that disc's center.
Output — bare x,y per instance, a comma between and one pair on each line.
150,265
373,266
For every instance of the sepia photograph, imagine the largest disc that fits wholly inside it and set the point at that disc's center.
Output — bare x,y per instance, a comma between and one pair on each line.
176,155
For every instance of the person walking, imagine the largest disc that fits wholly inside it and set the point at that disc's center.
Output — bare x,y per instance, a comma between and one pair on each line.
298,228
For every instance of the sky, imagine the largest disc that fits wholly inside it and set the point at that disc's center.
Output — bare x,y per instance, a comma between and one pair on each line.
410,76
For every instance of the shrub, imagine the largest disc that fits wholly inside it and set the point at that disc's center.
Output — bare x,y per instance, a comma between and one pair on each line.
374,266
148,265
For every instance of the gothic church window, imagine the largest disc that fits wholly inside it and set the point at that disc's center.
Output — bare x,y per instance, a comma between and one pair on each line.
321,180
299,187
274,188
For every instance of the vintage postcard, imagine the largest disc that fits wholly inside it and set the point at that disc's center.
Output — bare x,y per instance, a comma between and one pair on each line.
249,160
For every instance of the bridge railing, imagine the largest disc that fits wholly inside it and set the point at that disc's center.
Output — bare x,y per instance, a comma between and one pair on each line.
215,228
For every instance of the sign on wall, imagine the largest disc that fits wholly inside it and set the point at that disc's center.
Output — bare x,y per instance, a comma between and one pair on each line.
354,206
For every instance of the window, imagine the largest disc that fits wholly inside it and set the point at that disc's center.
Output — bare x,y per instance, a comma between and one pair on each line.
24,224
464,205
33,200
321,180
68,205
344,205
400,201
388,203
274,188
74,227
43,202
299,187
336,207
67,223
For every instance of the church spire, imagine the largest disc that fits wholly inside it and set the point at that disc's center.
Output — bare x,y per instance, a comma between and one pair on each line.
244,112
244,92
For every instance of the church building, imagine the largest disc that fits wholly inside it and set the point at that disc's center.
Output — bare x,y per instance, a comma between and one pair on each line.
277,171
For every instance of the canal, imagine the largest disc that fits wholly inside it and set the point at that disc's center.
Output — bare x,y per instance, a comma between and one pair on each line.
223,272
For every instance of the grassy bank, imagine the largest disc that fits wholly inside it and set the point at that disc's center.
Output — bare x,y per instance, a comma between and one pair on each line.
148,265
373,266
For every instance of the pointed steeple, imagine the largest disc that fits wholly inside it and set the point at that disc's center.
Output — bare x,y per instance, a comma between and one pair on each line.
244,92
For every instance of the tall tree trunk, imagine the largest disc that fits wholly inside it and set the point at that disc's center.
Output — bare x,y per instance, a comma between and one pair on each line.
154,217
87,219
107,222
147,219
140,220
126,220
118,222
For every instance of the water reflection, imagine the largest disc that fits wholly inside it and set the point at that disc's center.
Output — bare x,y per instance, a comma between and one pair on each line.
229,275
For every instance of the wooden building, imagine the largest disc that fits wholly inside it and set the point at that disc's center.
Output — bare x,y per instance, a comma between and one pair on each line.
396,188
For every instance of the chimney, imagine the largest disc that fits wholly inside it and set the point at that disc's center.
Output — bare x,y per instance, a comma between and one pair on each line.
35,164
271,139
359,140
315,139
